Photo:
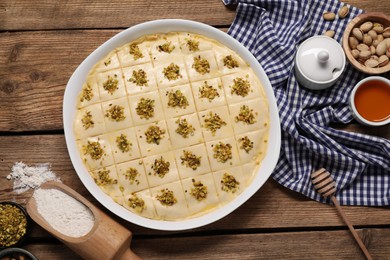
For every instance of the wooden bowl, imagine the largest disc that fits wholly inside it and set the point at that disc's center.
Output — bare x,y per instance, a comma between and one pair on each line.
356,22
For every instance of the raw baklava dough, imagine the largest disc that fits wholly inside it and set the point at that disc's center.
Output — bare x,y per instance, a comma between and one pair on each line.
172,126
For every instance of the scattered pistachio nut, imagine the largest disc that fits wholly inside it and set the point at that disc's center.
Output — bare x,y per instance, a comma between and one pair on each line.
357,33
329,16
343,12
383,60
366,26
329,33
371,63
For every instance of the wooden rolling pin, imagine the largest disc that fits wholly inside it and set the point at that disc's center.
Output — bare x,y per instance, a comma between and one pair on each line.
106,240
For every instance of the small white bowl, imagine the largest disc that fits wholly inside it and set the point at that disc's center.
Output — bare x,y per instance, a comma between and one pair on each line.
352,105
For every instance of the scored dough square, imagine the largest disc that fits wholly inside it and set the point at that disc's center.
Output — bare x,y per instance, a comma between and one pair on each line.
134,87
171,111
109,63
201,43
132,183
135,101
163,81
179,140
209,202
105,160
223,67
153,178
128,59
186,171
232,97
195,75
111,189
149,211
259,109
150,148
110,78
218,164
177,210
91,87
130,137
95,113
226,130
203,103
242,178
258,150
111,124
171,41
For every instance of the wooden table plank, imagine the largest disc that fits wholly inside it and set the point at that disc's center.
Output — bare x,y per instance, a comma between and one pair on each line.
273,207
41,14
291,245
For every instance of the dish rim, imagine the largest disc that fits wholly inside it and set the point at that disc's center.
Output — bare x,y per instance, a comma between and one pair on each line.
164,26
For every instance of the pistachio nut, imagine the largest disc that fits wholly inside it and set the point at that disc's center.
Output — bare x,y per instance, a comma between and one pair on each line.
372,49
364,55
383,60
365,27
355,53
329,16
357,33
343,12
373,34
386,32
375,43
378,27
371,63
329,33
374,57
353,42
367,40
380,37
381,48
362,47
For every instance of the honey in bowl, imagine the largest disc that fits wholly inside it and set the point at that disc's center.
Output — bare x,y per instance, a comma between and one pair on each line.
372,100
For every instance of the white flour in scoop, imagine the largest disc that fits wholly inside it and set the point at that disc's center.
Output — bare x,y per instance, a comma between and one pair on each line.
64,213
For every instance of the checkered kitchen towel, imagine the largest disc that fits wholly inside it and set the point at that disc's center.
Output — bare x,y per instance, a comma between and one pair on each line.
360,164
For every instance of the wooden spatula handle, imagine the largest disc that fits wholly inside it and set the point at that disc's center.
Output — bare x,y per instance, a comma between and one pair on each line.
353,231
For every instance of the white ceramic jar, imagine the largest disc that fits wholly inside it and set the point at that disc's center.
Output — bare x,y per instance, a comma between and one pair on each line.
319,62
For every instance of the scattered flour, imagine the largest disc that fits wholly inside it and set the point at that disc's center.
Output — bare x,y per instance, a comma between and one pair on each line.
64,213
26,177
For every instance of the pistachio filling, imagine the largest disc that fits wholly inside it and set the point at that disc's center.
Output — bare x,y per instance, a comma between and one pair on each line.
136,203
87,120
213,122
246,115
177,99
241,87
111,85
222,152
172,72
116,113
160,167
230,62
123,143
145,108
103,177
207,91
13,225
199,191
94,150
229,183
166,197
107,62
201,65
135,51
86,93
166,47
184,128
131,175
139,78
190,160
154,134
246,144
192,45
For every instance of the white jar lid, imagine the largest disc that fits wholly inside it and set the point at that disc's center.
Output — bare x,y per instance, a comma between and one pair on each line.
320,59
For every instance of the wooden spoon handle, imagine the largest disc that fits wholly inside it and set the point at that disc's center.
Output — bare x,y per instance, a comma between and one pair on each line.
353,231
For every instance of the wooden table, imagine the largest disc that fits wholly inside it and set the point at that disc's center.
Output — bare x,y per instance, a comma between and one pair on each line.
42,43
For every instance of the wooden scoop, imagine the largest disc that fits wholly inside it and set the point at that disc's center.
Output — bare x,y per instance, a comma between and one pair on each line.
106,240
326,186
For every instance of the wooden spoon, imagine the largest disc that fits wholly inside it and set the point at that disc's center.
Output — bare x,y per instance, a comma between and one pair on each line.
326,186
106,240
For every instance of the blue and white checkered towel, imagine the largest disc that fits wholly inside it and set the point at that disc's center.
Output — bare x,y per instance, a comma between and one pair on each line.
360,164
